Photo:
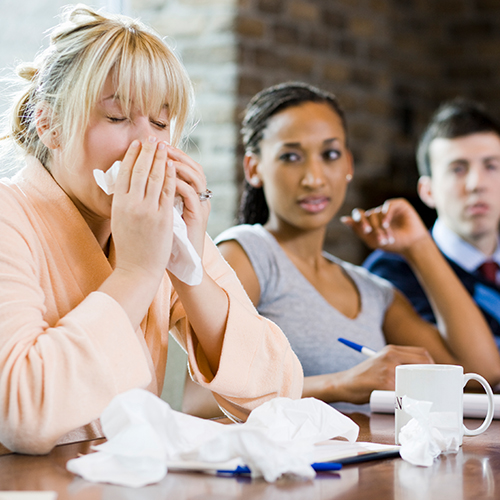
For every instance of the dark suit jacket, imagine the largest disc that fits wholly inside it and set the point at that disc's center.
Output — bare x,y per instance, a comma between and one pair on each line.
395,269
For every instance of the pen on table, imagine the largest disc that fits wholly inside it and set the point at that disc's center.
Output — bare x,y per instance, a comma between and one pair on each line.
318,467
357,347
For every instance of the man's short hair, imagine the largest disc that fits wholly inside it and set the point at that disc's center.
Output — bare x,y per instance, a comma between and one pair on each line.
456,118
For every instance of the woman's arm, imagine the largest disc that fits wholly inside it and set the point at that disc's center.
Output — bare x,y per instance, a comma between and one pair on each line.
197,400
142,227
208,318
468,340
256,362
354,385
237,258
66,349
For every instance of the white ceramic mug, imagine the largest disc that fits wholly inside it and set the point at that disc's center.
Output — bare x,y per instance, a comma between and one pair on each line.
443,386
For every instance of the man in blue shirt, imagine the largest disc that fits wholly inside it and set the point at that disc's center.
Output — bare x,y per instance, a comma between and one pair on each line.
459,164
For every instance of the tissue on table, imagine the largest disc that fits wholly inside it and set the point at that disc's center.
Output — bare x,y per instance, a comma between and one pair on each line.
427,434
144,434
184,263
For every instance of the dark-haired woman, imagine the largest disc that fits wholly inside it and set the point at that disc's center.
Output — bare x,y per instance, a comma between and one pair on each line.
297,169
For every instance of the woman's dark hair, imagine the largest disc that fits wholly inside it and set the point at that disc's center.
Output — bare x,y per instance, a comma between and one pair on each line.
253,207
456,118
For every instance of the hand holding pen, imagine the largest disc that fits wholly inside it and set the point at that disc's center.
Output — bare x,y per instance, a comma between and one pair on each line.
358,347
377,371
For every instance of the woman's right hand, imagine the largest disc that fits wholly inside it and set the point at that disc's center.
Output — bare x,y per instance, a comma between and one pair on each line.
142,227
375,373
142,209
394,226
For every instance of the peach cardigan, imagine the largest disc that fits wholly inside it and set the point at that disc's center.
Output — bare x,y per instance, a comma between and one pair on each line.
66,349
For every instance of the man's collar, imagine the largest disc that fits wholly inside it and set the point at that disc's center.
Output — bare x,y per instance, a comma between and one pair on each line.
458,250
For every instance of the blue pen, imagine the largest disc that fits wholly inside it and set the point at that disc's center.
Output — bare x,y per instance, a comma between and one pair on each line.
357,347
318,467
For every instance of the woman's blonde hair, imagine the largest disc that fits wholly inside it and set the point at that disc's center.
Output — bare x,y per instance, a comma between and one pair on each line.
69,76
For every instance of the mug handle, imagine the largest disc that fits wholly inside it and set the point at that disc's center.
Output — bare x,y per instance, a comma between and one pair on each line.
489,414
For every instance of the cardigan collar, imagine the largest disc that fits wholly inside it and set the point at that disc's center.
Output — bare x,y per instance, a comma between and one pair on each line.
66,225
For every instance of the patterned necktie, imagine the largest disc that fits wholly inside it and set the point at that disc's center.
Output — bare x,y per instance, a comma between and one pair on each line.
488,270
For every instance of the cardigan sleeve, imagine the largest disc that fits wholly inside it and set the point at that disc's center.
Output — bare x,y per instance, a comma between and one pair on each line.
55,377
257,362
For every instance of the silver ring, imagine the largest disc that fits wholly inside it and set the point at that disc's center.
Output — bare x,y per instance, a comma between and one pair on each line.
206,195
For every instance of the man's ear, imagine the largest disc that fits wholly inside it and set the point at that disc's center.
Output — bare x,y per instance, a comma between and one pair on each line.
424,189
45,126
250,164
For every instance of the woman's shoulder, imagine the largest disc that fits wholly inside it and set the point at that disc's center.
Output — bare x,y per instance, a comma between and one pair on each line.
13,199
243,232
254,239
262,250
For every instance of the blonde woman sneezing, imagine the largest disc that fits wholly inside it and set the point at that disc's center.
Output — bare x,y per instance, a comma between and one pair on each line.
86,303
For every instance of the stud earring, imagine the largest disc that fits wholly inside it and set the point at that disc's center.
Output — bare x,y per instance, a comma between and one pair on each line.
255,181
348,177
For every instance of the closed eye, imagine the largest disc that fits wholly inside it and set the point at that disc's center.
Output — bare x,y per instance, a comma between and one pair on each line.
159,124
116,119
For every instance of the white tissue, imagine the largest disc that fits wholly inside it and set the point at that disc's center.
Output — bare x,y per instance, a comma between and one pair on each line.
144,434
184,263
106,180
427,434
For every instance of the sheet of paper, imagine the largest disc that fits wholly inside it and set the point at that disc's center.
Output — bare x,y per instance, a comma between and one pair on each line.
475,405
325,451
332,450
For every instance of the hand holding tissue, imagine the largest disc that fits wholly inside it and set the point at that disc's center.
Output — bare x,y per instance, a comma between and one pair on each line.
184,263
145,435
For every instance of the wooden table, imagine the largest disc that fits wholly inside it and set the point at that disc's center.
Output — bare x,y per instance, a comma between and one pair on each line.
473,473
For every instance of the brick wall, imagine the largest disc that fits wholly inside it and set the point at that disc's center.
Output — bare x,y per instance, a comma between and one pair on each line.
442,49
390,62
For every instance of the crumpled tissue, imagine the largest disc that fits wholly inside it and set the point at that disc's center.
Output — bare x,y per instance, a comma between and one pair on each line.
144,435
184,263
427,434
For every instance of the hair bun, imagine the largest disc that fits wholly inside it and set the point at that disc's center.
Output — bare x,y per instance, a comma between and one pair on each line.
27,71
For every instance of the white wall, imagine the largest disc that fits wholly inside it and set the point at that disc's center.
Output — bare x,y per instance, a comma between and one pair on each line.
23,24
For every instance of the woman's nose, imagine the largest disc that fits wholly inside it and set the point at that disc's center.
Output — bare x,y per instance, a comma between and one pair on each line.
143,129
314,176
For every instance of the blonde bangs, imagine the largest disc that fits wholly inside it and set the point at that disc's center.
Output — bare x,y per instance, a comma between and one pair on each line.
69,76
145,72
150,76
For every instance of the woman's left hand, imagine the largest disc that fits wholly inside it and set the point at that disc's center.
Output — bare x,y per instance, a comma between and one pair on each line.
206,305
394,226
190,182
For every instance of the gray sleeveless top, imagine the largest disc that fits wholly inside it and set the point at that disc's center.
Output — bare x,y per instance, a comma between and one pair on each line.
311,324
